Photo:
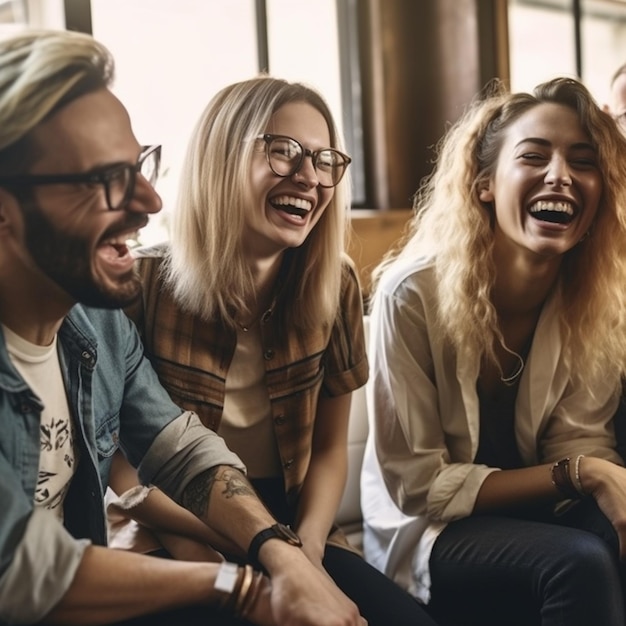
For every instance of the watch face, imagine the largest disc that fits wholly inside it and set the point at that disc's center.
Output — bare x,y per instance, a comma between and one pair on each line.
288,534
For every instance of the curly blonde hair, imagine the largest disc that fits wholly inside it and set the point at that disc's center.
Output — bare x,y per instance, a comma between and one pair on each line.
207,270
452,225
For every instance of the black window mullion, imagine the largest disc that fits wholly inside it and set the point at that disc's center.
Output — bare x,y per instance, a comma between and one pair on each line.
261,36
351,93
577,14
78,16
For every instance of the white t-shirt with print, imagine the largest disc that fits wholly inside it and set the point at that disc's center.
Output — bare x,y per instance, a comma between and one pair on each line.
40,368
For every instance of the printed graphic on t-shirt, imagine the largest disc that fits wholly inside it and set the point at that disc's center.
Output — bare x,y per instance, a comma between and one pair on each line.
56,462
40,368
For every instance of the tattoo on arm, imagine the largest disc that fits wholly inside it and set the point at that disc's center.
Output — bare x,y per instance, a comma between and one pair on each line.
198,491
235,484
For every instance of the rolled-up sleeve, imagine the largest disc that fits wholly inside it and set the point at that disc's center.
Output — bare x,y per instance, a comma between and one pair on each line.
345,361
182,450
41,571
424,455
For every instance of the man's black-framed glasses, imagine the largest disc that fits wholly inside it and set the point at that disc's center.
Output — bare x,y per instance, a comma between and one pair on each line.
118,179
285,157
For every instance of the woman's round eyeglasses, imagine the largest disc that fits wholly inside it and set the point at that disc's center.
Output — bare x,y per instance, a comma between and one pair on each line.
285,157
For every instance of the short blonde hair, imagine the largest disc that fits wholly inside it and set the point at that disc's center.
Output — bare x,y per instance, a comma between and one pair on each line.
207,270
41,71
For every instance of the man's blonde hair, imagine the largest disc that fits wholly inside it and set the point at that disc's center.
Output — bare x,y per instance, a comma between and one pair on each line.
41,71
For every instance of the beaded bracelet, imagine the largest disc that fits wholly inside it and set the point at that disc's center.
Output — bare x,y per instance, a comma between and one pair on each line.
578,483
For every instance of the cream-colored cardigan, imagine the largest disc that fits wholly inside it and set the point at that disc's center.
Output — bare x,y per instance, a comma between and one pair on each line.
418,471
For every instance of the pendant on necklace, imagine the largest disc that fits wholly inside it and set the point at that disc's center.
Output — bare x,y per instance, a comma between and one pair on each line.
264,318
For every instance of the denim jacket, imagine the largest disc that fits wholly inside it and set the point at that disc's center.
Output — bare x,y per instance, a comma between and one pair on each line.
116,401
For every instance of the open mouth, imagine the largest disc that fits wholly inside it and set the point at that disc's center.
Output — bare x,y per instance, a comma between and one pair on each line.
559,212
292,205
115,249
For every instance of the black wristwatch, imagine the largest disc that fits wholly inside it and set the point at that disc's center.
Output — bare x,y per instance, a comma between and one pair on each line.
277,531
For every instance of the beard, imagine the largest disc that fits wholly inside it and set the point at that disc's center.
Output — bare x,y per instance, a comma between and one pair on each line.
66,259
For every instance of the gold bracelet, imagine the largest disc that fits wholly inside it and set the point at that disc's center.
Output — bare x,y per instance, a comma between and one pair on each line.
253,595
244,590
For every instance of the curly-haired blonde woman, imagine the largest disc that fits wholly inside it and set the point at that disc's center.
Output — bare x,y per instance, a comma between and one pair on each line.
492,489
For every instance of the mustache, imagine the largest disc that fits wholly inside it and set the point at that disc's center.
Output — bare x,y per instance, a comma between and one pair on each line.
133,222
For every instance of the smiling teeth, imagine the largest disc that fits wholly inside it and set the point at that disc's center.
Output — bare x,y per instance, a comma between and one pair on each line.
299,203
122,239
549,205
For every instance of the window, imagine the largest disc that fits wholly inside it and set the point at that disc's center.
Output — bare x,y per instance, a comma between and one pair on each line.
18,14
603,32
13,14
172,56
582,38
541,42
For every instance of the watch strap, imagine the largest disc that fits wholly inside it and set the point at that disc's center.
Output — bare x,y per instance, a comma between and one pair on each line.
277,531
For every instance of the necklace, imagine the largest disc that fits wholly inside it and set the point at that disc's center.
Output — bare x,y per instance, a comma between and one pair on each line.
510,380
261,318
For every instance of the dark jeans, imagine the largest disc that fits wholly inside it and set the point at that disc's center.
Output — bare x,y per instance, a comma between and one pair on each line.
546,570
380,600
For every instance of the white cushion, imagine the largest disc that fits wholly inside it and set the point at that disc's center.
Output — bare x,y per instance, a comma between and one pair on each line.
349,515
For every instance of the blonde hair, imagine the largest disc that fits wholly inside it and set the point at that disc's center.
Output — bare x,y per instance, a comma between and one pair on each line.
206,269
453,226
41,71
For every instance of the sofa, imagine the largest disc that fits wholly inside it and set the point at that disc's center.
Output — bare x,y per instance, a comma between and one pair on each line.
349,517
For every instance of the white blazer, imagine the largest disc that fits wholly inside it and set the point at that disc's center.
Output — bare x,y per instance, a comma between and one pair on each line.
418,471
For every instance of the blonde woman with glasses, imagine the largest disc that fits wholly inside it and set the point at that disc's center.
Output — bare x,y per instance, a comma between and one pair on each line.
253,317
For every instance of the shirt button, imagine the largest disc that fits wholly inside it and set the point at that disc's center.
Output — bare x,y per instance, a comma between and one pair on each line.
268,355
88,359
279,420
288,464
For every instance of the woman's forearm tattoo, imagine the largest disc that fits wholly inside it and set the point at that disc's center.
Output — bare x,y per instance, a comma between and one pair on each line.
198,491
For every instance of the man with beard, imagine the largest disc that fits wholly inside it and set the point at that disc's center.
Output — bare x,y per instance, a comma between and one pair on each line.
75,185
